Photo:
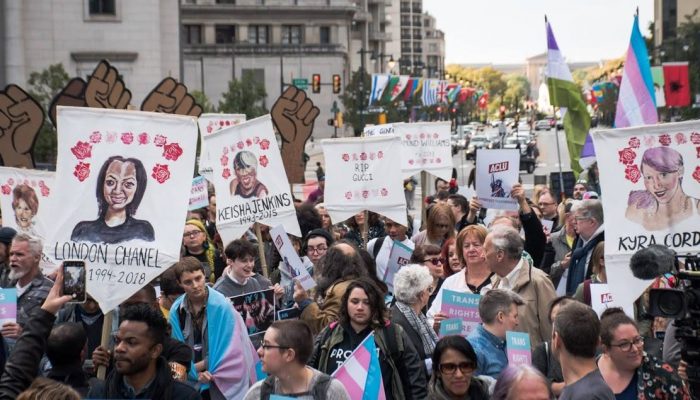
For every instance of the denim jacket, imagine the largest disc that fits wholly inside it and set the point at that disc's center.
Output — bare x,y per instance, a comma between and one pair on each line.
490,352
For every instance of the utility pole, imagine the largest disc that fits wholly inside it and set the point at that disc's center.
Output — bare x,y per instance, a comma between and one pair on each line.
362,53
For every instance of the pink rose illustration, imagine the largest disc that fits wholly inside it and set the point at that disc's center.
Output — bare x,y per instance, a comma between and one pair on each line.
209,129
228,123
161,173
680,138
226,173
225,150
41,183
365,193
172,151
160,140
224,160
634,142
249,142
371,156
438,160
240,145
422,135
348,195
411,161
263,161
6,189
221,123
354,156
81,171
264,144
11,182
127,137
408,137
380,154
695,137
649,141
346,157
665,139
256,140
82,150
45,191
384,192
143,138
111,137
363,156
627,156
632,173
435,135
696,174
95,137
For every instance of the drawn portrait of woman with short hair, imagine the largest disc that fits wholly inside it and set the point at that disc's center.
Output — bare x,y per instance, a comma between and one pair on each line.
663,203
121,184
246,183
25,203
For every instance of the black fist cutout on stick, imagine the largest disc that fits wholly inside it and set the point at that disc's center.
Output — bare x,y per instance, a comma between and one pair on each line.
293,114
171,97
21,118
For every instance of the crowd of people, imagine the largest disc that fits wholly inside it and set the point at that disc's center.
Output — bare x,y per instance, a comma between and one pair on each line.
178,341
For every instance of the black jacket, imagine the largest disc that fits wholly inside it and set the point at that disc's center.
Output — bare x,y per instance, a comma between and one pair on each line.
398,318
535,239
163,387
72,376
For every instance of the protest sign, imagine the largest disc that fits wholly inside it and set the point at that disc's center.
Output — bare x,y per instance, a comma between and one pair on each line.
497,171
451,326
208,124
257,310
288,313
399,256
364,174
25,202
291,263
656,170
22,121
249,179
426,147
547,225
8,306
199,196
122,188
377,130
464,306
602,298
518,348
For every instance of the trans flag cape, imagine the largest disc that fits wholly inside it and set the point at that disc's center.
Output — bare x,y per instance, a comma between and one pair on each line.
232,358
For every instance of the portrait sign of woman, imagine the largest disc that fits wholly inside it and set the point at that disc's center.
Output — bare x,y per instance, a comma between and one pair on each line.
663,203
121,184
246,183
25,204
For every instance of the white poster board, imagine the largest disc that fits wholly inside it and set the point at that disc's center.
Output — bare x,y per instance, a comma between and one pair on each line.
497,171
208,124
291,261
602,298
426,147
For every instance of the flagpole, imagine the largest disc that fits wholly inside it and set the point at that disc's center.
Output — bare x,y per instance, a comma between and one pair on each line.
561,175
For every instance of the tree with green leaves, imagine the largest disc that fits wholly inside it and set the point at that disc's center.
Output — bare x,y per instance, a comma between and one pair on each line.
355,98
203,101
43,86
244,96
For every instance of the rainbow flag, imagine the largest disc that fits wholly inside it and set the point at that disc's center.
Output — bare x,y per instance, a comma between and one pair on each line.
636,103
360,373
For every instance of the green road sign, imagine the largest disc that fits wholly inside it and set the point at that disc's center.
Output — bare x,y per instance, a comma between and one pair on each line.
301,83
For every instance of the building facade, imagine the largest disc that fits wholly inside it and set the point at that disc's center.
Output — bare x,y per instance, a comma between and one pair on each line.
433,48
140,38
419,46
669,15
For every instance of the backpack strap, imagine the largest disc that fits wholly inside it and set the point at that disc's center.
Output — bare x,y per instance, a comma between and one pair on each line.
267,388
377,246
320,390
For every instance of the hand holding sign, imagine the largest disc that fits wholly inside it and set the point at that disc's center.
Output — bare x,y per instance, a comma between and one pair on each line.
105,89
21,118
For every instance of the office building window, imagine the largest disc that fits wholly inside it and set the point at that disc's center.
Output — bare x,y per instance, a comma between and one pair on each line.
259,34
325,35
103,7
225,1
225,34
193,34
291,34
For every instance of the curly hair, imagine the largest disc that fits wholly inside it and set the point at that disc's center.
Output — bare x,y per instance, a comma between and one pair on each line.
336,265
378,317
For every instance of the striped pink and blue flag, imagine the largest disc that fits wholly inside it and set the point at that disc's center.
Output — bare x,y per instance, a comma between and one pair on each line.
360,373
636,103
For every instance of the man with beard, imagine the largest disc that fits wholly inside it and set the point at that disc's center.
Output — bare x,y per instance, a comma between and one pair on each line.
140,371
25,274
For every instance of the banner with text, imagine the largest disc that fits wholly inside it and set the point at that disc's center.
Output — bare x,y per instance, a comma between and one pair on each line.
249,178
451,326
518,348
364,174
123,182
497,171
378,130
464,306
656,170
208,124
426,147
199,196
291,266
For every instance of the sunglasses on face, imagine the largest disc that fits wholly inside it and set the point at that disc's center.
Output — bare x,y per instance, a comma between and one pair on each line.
434,261
451,368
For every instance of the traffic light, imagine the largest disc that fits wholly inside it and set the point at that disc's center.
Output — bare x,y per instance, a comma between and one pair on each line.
503,113
316,83
336,84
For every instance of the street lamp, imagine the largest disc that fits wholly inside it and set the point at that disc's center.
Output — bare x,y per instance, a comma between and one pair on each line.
362,53
391,63
381,57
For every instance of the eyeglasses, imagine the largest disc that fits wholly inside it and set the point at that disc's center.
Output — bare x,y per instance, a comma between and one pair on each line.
191,235
466,367
319,249
272,346
434,261
627,346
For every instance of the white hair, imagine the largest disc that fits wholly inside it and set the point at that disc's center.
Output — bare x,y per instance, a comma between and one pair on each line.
410,281
35,244
509,240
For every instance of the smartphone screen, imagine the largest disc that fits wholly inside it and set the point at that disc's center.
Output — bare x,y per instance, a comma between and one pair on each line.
74,280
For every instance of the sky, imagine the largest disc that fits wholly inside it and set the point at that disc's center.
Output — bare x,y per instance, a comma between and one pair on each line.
509,31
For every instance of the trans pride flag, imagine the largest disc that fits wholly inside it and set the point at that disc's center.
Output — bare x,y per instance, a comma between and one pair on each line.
636,103
232,358
360,373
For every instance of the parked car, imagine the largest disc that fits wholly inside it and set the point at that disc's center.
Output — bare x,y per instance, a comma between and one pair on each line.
514,142
523,126
543,124
476,126
458,141
476,142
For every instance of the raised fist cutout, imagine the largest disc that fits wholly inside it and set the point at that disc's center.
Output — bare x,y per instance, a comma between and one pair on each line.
105,89
71,95
171,97
293,114
21,118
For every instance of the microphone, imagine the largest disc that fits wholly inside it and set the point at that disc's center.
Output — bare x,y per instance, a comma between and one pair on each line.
652,262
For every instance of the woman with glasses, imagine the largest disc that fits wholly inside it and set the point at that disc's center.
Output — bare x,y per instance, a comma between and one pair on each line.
413,286
284,352
476,276
454,362
440,226
627,369
430,256
196,243
363,312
